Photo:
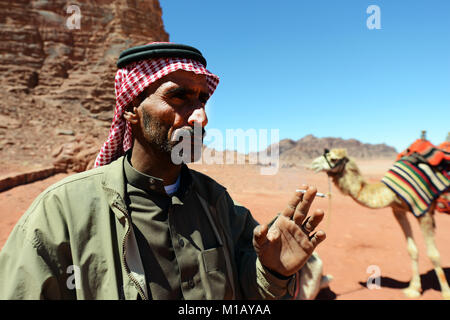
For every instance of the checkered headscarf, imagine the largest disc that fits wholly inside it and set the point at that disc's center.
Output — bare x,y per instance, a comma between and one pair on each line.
130,81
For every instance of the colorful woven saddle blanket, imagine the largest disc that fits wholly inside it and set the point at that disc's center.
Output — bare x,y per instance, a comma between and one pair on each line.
417,182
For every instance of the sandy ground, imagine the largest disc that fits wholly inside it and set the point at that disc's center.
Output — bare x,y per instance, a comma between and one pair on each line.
357,237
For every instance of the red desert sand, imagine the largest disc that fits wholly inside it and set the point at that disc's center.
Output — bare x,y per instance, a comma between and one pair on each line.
357,237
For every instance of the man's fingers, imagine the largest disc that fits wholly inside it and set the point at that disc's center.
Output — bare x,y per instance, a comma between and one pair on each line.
302,209
260,235
292,204
313,221
317,238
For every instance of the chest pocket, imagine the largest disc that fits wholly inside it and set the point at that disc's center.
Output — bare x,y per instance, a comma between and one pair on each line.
213,274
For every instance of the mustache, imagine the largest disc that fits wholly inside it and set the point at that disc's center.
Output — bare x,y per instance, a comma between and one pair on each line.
188,131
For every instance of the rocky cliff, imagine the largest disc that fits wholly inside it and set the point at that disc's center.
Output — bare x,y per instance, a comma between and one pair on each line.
57,67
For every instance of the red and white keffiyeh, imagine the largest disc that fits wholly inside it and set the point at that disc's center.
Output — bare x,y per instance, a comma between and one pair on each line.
130,81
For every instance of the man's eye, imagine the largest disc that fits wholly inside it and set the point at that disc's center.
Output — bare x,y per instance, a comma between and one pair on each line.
179,96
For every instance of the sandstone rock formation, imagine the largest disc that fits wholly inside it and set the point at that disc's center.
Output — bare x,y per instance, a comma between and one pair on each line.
58,82
75,156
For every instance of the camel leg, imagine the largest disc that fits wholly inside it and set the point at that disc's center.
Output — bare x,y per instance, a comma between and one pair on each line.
427,226
415,286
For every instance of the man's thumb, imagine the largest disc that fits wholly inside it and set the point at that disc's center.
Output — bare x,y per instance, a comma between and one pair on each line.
260,235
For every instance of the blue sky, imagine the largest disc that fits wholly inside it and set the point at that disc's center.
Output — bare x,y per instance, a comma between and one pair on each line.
314,67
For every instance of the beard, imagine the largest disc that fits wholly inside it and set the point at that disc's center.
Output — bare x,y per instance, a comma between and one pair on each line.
157,136
156,133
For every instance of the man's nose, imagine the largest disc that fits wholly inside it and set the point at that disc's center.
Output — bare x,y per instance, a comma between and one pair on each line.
199,116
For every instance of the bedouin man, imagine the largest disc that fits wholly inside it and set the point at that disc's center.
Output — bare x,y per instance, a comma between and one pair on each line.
138,225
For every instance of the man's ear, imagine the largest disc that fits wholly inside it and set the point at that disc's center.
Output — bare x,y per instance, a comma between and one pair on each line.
132,116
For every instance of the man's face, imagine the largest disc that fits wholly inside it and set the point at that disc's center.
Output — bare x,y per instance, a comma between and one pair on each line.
175,102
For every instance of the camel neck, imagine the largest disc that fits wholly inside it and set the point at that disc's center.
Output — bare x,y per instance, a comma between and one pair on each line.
371,195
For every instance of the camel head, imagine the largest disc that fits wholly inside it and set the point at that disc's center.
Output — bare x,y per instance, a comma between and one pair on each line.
332,161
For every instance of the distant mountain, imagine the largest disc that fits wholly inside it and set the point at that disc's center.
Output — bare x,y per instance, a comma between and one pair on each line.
309,147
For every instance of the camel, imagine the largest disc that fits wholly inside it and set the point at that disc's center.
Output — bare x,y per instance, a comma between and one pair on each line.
346,176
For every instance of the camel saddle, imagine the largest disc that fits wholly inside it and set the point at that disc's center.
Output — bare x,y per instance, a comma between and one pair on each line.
434,156
437,158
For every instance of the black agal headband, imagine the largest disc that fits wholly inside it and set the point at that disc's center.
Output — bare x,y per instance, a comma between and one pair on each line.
159,50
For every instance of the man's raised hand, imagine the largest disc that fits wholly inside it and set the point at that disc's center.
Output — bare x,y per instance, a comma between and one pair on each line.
289,242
